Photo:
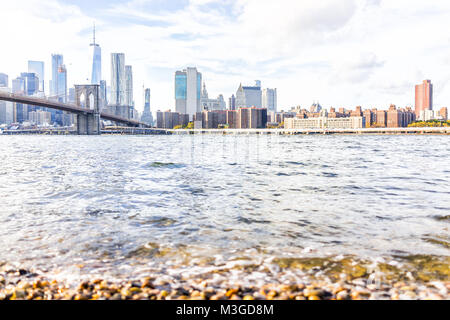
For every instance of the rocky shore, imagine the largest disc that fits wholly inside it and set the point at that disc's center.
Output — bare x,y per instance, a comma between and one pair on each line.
25,285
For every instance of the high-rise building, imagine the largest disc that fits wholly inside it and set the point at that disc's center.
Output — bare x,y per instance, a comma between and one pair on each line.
211,104
269,99
62,84
96,62
6,109
232,103
103,94
424,97
129,101
188,91
31,83
444,113
147,115
57,62
247,97
18,87
4,80
27,84
37,67
118,80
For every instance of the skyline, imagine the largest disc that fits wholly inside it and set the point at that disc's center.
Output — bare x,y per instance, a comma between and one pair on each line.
371,72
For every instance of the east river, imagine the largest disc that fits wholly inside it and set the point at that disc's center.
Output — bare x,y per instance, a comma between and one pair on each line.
260,208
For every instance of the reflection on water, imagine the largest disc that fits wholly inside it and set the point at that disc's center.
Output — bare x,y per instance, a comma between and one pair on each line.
120,205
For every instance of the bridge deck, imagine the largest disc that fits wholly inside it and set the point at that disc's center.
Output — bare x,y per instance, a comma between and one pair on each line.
72,108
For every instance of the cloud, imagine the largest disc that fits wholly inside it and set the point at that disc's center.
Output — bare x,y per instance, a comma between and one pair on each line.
342,52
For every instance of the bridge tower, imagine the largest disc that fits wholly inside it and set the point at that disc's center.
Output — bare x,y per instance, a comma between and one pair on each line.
87,96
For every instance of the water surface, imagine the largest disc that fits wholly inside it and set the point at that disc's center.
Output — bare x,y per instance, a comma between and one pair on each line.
123,205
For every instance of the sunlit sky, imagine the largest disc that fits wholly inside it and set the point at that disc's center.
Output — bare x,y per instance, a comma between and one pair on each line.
342,53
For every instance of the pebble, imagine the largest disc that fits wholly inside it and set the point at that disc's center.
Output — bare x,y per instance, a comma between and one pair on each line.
342,295
17,285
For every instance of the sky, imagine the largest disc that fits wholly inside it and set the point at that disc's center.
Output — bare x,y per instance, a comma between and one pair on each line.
342,53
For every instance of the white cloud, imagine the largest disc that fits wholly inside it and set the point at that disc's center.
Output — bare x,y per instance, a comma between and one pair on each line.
341,52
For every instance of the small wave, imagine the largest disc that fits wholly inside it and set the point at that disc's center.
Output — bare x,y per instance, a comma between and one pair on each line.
166,165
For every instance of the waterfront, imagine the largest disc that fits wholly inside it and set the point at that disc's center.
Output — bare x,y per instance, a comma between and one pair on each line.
253,209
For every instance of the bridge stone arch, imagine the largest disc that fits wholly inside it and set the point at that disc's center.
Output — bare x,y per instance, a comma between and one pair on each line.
88,123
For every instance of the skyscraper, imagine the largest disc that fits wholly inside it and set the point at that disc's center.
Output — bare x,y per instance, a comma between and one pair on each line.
96,62
147,116
424,97
37,67
3,80
269,99
58,87
232,102
57,62
18,87
118,82
188,85
31,83
129,86
250,96
61,88
6,108
103,93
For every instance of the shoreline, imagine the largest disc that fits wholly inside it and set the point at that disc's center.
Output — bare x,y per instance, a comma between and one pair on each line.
353,283
155,131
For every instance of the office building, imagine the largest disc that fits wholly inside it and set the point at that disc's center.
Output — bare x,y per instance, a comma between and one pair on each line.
31,83
147,115
6,108
188,91
249,96
424,97
18,88
103,94
129,101
232,102
58,84
211,104
96,61
118,79
37,67
269,99
4,82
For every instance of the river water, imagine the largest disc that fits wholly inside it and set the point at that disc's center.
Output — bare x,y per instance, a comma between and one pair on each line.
124,205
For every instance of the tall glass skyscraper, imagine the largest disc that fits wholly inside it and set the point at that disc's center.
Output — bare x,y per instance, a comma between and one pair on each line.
62,84
118,80
96,62
147,115
58,86
18,87
37,67
129,86
3,80
57,61
31,82
188,86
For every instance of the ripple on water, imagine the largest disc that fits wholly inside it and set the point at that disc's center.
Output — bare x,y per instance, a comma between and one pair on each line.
361,195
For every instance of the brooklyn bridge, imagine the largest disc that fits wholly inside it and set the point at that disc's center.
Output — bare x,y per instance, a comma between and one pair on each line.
86,108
